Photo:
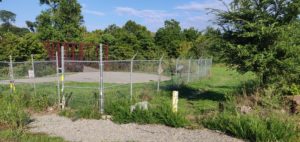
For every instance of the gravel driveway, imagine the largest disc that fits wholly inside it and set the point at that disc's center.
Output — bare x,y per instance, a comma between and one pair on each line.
105,130
109,77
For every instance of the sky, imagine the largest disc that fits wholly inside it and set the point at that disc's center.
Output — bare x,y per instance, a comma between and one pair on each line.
98,14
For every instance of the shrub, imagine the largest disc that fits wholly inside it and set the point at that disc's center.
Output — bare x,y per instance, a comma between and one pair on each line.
253,127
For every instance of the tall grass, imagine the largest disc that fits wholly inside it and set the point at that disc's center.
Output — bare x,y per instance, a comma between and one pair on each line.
156,114
12,112
254,127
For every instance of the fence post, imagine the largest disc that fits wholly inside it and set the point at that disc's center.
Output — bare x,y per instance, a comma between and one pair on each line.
159,71
189,70
205,67
101,95
32,66
198,64
63,100
57,76
176,71
11,74
131,71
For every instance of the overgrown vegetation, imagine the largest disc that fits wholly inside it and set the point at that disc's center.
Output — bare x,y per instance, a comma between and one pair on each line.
14,115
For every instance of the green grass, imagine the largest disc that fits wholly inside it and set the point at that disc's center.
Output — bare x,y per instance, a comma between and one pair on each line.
20,136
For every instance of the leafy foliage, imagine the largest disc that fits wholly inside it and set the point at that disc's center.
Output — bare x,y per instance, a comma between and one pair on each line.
252,29
62,21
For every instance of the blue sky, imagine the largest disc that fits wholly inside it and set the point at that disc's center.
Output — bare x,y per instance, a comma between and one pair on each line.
98,14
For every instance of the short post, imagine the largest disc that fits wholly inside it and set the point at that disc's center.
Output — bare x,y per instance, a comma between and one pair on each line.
175,101
11,74
189,70
57,76
33,77
63,100
159,71
101,95
131,71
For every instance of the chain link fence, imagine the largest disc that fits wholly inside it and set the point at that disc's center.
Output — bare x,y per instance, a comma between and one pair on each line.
79,84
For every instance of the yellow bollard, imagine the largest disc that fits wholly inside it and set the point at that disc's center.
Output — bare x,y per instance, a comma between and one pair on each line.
175,101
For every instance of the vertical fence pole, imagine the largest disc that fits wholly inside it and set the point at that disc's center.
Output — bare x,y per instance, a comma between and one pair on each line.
189,70
32,66
205,67
160,71
131,71
63,100
57,76
198,65
101,95
176,71
176,67
11,74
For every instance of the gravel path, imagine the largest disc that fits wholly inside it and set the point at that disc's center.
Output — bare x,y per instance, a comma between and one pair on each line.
106,130
109,77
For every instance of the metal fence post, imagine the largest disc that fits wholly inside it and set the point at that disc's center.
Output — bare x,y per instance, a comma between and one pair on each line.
11,74
176,71
159,71
189,70
101,95
63,100
57,76
32,66
205,67
131,71
176,68
198,65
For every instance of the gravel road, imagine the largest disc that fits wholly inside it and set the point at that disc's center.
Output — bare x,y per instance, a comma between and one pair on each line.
109,77
105,130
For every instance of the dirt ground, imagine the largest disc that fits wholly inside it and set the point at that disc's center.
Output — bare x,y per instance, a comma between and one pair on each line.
105,130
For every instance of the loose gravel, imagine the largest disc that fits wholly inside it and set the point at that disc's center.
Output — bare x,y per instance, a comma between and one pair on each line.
105,130
109,77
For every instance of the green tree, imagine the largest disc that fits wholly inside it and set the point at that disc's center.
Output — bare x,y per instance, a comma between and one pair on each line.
20,48
7,17
251,29
62,21
145,42
168,38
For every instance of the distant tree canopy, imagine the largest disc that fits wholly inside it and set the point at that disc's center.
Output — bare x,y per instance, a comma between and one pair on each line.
62,21
7,19
253,31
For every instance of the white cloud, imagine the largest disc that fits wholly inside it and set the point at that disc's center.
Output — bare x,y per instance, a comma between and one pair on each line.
202,6
92,12
151,16
97,13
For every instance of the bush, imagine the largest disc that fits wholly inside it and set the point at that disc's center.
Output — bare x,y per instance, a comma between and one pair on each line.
253,127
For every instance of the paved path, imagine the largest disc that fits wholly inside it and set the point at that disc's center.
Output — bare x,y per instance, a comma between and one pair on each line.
105,130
